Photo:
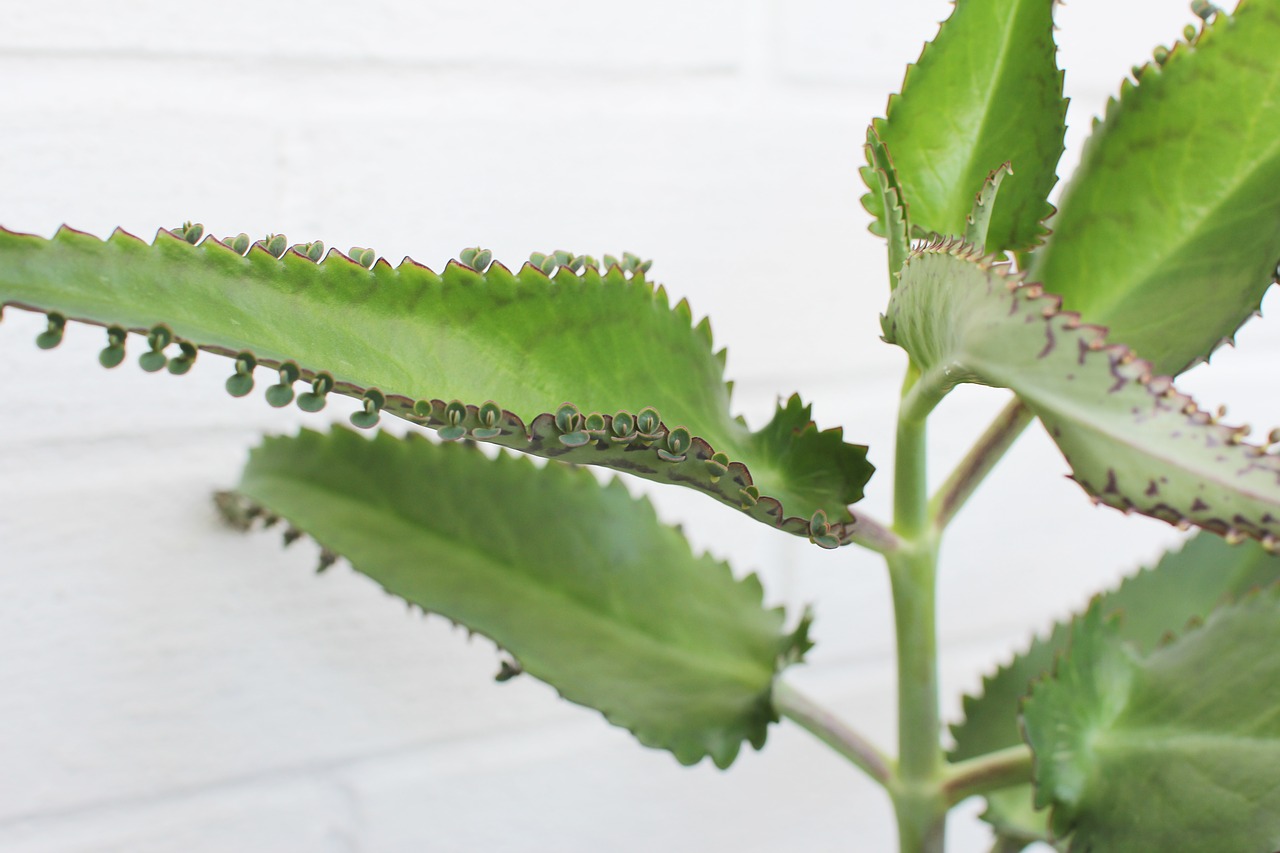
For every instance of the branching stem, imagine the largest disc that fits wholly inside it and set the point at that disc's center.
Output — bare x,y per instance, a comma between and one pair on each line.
917,791
991,772
821,723
982,457
873,535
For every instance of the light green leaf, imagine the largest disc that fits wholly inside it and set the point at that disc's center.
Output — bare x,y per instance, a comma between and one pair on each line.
1130,438
1176,750
579,582
1169,231
1184,587
895,227
986,91
646,388
978,222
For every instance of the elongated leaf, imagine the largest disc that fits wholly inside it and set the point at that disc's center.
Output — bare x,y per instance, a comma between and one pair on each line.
1169,231
1177,750
979,220
986,91
646,389
579,582
893,214
1131,439
1184,587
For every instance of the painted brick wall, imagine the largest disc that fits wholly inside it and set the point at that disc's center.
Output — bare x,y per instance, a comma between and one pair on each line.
168,685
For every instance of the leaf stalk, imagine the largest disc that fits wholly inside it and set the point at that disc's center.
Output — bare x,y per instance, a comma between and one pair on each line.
824,725
873,535
1001,769
977,464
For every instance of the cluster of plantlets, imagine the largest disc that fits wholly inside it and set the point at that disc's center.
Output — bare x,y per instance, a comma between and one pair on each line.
1148,722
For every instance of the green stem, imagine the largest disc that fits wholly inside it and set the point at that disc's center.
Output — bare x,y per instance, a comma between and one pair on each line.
919,801
984,455
821,723
910,489
872,535
1002,769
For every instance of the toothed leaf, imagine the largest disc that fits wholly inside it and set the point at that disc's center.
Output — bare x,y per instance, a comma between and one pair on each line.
986,91
1185,586
893,211
1131,440
578,581
604,342
978,222
1169,231
1176,750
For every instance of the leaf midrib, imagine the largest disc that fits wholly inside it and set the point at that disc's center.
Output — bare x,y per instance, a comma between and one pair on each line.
1192,234
1002,59
1121,437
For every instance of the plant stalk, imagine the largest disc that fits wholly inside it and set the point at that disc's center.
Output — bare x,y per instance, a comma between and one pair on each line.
872,535
919,801
1002,769
821,723
975,466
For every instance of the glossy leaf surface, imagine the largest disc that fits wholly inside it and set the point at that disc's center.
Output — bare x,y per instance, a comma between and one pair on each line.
579,582
646,390
1176,750
1131,439
1169,231
986,91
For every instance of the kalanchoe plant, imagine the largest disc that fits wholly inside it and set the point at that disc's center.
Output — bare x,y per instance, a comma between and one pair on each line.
1151,721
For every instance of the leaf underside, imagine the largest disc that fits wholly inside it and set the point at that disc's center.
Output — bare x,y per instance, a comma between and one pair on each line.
1132,441
433,348
1176,750
986,91
578,581
1183,588
1169,231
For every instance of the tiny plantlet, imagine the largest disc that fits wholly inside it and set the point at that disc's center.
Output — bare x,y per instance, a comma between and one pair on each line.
1150,721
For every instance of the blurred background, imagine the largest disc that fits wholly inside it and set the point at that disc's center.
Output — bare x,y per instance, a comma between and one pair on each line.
168,684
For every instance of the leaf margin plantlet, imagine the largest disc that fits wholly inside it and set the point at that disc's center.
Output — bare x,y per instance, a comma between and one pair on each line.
657,406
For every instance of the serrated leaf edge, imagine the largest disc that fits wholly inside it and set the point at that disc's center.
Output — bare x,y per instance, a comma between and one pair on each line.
243,513
1061,825
1126,366
650,456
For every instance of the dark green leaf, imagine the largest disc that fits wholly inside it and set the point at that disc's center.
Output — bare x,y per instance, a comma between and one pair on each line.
1176,750
1184,587
578,582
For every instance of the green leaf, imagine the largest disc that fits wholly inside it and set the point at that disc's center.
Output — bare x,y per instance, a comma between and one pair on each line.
1131,439
893,213
1169,231
579,582
1184,587
1176,750
986,91
434,348
978,222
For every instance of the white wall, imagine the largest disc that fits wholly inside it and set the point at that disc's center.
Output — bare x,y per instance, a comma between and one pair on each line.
169,685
